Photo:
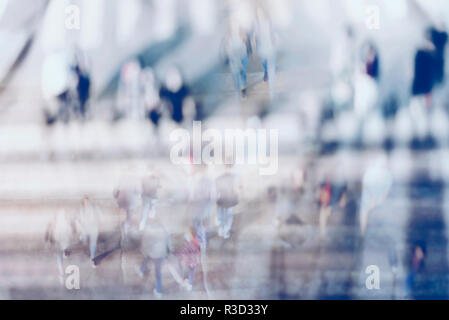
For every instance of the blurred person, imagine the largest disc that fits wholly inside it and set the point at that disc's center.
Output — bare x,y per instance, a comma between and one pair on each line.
201,200
266,49
87,224
189,257
201,193
429,74
332,196
376,184
83,89
325,208
176,93
57,87
156,246
417,264
155,115
127,196
83,85
60,235
150,186
129,92
227,198
151,97
237,55
439,38
424,74
365,81
371,61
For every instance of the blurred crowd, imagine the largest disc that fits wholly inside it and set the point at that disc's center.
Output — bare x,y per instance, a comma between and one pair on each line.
358,108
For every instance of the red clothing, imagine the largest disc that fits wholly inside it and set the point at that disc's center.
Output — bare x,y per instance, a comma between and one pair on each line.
325,196
189,255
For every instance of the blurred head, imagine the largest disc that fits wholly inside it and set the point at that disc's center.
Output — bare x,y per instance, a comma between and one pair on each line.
190,234
130,71
173,79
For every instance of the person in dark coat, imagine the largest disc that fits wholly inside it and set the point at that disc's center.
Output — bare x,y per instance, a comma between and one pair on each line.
439,40
424,72
175,92
83,89
372,62
424,77
176,99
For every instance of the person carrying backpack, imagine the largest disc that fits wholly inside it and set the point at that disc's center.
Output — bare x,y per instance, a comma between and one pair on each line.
189,257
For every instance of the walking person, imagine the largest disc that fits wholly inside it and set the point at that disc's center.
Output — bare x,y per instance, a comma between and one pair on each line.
201,201
151,99
57,87
332,197
371,61
129,102
156,246
60,235
266,49
325,208
189,258
237,55
87,224
439,38
424,76
227,199
417,265
82,88
127,195
176,93
150,185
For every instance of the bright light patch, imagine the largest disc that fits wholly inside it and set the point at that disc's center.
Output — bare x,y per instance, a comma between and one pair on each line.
203,16
396,9
92,23
53,30
55,77
128,14
3,5
164,19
